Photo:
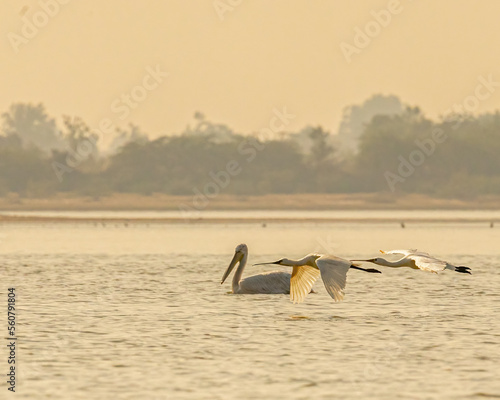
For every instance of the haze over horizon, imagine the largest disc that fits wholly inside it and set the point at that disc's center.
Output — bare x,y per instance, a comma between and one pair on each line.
237,66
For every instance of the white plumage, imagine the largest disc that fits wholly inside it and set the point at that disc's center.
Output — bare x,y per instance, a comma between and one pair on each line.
268,283
332,269
417,260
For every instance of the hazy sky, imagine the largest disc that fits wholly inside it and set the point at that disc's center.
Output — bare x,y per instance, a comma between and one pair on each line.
262,54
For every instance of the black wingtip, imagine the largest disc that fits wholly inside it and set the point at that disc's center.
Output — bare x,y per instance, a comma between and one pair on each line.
463,270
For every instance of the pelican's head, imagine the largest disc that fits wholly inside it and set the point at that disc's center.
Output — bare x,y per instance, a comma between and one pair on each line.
241,248
239,252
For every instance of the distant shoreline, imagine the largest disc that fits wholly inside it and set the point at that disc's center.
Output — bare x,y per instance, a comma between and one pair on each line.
299,202
262,221
180,209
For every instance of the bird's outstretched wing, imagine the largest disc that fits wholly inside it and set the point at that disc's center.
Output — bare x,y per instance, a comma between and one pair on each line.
405,253
334,275
428,263
302,281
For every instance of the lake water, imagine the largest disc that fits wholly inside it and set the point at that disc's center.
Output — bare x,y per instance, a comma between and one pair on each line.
137,311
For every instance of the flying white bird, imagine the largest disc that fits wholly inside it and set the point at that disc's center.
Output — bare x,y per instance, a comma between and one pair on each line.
268,283
417,260
333,271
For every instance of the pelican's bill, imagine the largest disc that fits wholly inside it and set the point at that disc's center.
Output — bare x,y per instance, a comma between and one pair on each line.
233,262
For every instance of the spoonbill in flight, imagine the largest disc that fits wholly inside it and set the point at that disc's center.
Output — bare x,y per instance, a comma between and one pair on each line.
269,283
333,271
417,260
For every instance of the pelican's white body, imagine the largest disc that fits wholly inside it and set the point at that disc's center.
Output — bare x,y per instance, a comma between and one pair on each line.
274,282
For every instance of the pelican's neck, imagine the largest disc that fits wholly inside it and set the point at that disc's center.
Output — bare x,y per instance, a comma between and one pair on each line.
399,263
239,272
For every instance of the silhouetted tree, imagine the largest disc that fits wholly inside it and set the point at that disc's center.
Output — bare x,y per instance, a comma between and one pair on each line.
355,118
32,125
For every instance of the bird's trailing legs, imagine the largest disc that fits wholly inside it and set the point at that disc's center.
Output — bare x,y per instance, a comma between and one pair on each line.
372,270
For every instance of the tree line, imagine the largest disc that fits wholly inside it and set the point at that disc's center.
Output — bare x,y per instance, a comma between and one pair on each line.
403,152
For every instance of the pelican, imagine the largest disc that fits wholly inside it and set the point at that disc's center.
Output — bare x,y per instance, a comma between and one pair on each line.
417,260
270,283
333,271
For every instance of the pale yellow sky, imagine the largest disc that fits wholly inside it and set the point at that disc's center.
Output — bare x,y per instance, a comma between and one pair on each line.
262,54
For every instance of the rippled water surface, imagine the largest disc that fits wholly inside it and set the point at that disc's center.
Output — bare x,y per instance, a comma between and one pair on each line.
126,312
